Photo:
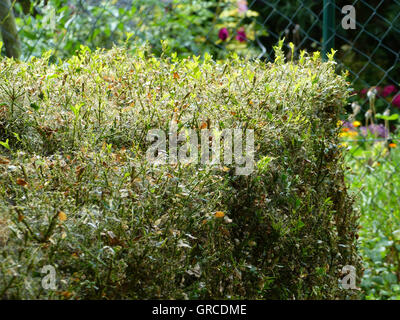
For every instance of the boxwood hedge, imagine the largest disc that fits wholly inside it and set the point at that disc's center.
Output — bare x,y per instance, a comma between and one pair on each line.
77,193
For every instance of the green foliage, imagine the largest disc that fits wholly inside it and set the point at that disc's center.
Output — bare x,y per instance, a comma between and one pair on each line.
190,27
373,157
375,172
77,193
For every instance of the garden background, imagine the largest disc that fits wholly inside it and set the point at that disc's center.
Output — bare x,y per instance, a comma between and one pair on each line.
370,53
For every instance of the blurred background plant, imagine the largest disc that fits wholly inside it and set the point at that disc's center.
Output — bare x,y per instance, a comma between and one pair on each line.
373,156
191,27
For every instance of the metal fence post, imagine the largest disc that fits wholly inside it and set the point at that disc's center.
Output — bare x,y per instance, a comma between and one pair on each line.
328,28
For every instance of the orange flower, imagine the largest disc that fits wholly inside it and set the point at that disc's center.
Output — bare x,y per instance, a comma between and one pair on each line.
219,214
62,216
353,134
392,145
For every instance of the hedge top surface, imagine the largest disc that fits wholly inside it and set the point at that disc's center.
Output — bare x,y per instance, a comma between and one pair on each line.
114,95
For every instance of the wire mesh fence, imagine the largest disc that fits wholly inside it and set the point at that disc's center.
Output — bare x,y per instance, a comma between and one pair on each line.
367,40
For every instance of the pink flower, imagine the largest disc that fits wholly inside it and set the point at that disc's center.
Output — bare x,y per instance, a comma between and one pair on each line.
223,34
364,91
242,6
388,90
241,35
396,101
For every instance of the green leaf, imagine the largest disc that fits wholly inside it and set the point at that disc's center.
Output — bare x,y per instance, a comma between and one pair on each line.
34,106
5,144
392,117
263,163
16,135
